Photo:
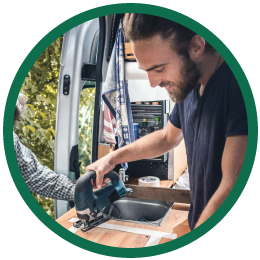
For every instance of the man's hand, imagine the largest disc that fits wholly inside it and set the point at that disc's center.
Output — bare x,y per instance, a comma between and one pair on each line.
149,146
101,167
93,184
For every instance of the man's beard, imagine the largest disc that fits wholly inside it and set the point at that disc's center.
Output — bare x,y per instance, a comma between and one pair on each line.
190,74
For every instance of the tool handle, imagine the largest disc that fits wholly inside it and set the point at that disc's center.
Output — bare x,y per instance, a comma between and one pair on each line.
91,175
85,198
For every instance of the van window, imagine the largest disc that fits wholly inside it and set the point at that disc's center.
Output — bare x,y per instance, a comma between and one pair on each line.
86,109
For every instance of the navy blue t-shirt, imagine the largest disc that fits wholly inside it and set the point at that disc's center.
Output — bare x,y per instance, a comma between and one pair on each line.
206,121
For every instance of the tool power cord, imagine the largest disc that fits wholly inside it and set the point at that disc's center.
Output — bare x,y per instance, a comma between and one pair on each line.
111,209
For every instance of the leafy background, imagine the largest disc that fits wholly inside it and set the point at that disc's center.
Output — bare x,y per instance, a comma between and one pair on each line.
86,110
36,130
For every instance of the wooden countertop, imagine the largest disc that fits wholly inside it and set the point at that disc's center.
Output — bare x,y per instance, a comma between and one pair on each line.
131,235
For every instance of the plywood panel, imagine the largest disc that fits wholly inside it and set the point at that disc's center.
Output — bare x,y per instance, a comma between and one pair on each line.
179,161
182,228
159,194
164,240
63,220
176,223
103,150
129,52
175,218
114,238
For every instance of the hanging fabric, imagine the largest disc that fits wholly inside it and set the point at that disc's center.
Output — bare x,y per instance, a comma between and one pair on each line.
109,127
115,94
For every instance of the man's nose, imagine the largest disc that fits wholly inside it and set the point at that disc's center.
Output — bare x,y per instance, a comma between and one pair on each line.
154,81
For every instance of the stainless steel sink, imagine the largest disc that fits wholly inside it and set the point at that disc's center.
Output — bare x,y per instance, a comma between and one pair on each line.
139,211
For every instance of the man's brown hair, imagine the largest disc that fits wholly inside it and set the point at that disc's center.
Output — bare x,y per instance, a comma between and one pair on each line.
143,26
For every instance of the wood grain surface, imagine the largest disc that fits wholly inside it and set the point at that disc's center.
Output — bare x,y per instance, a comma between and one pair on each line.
159,194
129,52
176,223
179,161
103,150
114,237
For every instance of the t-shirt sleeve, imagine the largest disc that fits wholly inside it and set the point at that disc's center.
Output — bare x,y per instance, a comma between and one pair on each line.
236,120
175,116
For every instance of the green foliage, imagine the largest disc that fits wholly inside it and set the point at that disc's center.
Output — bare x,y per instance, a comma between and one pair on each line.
86,110
47,204
37,129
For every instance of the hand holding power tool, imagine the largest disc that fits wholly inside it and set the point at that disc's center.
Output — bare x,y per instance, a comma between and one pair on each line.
88,203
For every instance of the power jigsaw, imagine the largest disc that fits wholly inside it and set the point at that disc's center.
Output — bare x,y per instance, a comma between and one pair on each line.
89,203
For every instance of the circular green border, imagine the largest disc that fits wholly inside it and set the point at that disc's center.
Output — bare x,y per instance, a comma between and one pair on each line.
115,9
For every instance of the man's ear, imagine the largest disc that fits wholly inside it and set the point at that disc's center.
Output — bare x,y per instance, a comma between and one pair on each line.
197,46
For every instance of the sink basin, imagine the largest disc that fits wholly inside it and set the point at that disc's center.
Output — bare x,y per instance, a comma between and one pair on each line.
139,211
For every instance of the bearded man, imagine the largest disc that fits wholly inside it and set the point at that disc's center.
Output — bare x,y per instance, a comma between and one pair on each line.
209,112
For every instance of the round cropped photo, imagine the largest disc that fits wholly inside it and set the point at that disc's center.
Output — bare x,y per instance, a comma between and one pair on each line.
134,130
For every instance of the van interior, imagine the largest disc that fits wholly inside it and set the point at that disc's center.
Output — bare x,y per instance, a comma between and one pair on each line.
86,53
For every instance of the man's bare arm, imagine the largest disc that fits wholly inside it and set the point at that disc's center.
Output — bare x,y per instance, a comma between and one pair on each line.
149,146
232,162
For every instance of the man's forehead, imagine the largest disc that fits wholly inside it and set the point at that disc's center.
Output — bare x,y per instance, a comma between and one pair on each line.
152,53
153,67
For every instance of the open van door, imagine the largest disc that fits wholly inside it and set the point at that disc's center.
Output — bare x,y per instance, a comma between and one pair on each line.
76,97
84,62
